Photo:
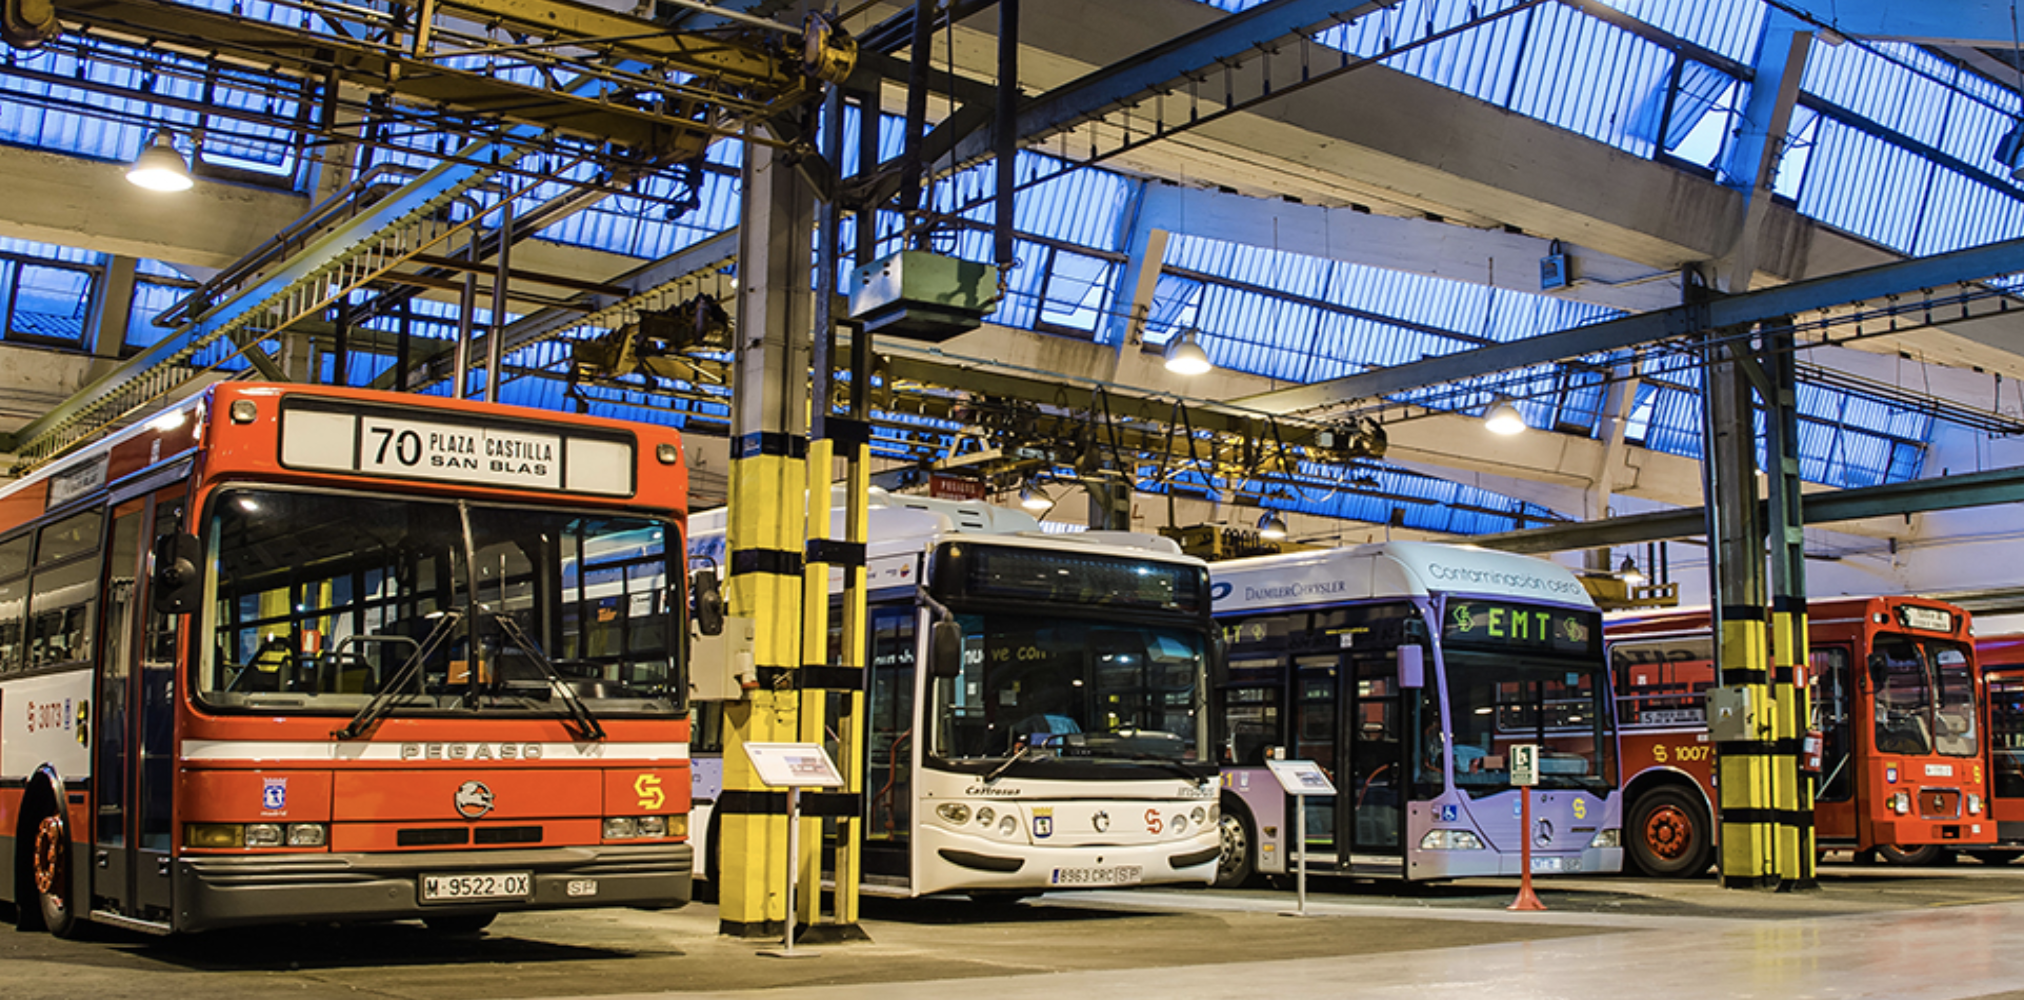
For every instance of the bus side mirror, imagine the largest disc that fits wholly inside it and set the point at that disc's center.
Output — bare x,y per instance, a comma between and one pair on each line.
945,649
1412,666
179,579
709,612
1878,667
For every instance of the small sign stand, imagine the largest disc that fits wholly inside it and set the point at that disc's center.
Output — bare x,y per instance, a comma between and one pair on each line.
793,766
1525,774
1300,778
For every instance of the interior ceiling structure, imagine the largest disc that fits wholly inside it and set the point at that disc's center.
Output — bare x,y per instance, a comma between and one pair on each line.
1283,125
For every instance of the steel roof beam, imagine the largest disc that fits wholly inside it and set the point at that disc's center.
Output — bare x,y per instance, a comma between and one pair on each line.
1800,297
1919,496
1163,67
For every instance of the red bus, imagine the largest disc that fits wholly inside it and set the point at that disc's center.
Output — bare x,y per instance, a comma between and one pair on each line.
1894,684
2002,659
289,653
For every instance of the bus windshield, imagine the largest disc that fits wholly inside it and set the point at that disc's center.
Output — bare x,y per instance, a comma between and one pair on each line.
1498,700
1925,696
318,602
1052,688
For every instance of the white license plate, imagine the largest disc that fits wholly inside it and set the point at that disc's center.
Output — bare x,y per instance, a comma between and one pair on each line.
1113,875
1556,864
491,885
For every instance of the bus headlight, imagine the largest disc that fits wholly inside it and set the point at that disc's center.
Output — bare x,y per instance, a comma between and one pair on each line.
1450,840
214,835
1901,803
1199,815
1008,826
263,835
985,817
954,812
306,835
1974,805
621,827
1180,823
1606,838
653,826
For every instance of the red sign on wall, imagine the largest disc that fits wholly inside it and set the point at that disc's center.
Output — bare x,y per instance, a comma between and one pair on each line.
946,487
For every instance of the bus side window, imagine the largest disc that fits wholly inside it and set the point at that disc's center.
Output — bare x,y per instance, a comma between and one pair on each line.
13,598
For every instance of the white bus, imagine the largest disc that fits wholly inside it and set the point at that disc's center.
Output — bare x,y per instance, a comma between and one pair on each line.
1061,742
1408,670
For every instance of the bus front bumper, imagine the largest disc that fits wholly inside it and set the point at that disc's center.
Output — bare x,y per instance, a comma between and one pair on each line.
968,864
229,891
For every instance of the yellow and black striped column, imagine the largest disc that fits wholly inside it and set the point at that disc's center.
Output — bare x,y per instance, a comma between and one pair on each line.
1792,787
1745,789
766,533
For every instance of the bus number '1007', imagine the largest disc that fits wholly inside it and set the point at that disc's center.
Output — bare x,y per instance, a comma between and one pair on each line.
401,444
1682,754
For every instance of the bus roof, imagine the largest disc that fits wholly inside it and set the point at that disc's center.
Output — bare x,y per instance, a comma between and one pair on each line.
908,525
1390,569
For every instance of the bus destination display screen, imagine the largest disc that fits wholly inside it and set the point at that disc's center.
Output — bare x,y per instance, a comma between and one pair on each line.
1509,625
1055,576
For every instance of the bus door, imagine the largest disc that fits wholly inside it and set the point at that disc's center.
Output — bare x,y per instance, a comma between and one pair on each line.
1316,720
1379,778
890,743
1833,706
133,770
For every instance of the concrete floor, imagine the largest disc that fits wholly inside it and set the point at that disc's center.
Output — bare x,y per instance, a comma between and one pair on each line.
1868,932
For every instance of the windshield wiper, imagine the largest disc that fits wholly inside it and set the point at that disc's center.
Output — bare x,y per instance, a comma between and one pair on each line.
587,726
409,669
1017,756
1178,767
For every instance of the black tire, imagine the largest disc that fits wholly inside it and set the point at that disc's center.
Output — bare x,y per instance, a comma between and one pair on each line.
1239,844
1996,857
1668,834
459,924
1914,857
50,876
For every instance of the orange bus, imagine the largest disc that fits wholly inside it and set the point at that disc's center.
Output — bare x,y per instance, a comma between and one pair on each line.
289,653
1894,685
2002,659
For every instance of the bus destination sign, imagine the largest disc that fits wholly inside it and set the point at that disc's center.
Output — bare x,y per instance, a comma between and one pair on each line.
1504,625
1930,619
381,444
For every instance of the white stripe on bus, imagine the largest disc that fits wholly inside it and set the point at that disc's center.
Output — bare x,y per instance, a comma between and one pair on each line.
426,750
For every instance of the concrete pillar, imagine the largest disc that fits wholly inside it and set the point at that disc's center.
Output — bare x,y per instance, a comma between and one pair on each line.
766,533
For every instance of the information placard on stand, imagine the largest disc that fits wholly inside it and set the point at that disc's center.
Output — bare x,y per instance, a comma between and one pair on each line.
1301,778
793,766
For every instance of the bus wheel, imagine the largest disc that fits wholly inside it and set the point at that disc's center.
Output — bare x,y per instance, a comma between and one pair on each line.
1668,834
1233,860
1929,854
51,872
459,925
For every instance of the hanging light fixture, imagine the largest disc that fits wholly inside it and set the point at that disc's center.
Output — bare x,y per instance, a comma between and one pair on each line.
1185,356
1628,572
1503,418
1271,527
1033,498
160,167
